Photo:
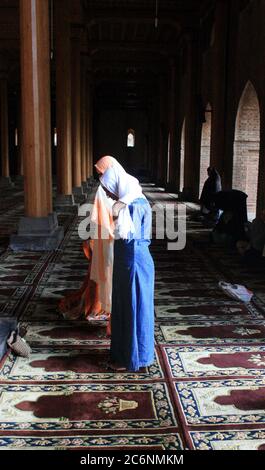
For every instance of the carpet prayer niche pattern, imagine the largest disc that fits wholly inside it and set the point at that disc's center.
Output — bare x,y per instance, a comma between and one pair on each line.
205,389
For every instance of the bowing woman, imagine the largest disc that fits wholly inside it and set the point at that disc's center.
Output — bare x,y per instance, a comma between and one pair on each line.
132,311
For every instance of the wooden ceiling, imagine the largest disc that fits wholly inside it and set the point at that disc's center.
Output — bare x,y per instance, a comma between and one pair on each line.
117,30
120,31
131,42
122,38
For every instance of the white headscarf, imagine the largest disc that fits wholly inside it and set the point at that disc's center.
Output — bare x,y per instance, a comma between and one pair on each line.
126,188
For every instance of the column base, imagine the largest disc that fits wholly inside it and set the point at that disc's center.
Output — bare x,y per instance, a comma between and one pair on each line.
5,182
65,203
160,183
187,194
79,195
171,188
78,191
85,186
37,234
19,179
64,200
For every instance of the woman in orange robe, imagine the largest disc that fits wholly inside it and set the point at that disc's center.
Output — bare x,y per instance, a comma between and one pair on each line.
93,299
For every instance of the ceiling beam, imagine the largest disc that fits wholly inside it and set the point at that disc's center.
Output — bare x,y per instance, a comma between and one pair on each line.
164,49
140,14
173,18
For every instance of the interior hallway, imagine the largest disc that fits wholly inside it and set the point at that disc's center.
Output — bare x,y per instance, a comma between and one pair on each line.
206,388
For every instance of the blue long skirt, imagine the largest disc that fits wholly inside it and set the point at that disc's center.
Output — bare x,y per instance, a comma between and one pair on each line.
132,314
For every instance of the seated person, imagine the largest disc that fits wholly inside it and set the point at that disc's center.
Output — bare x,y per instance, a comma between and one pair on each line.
231,225
224,231
211,186
253,248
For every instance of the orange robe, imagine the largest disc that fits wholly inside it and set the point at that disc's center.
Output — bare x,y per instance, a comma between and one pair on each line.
93,299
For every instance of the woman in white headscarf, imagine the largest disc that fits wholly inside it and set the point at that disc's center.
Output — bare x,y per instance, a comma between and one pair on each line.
132,311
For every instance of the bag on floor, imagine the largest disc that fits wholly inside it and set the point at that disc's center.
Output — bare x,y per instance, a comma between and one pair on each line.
18,345
236,291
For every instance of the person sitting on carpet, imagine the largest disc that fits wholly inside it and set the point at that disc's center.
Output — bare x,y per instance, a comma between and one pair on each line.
211,186
132,311
231,226
252,249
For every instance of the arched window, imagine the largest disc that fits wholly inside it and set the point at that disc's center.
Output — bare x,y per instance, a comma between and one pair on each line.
55,137
247,147
130,138
16,137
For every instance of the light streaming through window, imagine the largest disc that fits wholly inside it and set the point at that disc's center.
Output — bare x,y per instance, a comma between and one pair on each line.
16,137
130,138
55,137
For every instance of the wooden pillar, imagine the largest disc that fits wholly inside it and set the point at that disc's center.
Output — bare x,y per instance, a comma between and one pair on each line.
163,131
88,102
4,127
89,124
261,178
219,86
76,110
152,136
192,137
230,90
83,122
20,170
172,127
91,134
63,96
39,229
35,95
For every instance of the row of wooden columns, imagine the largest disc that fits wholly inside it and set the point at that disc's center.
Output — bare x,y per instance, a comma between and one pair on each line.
169,155
4,126
73,118
73,106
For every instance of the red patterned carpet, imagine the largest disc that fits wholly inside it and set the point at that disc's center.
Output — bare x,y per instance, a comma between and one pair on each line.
205,389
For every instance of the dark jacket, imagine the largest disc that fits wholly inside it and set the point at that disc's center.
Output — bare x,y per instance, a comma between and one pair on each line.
211,186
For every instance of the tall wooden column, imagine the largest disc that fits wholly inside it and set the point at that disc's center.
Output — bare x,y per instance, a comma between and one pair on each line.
89,133
172,127
76,111
20,169
4,128
83,122
232,27
192,141
163,132
152,137
63,99
39,229
261,178
35,95
219,83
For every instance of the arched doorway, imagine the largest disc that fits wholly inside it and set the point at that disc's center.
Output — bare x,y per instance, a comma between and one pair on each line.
246,147
205,146
182,158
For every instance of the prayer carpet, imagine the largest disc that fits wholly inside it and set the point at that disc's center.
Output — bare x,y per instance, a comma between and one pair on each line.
205,389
